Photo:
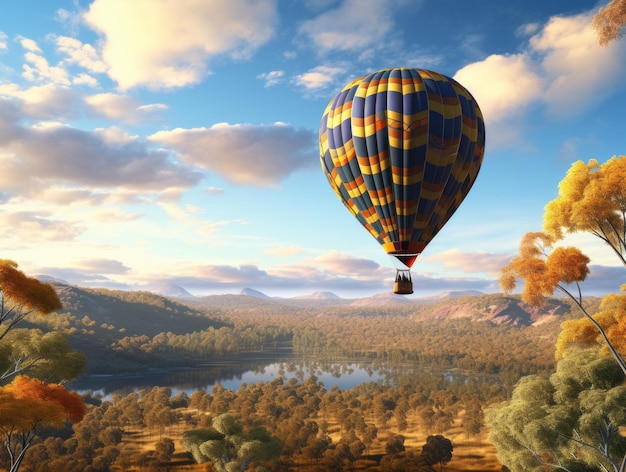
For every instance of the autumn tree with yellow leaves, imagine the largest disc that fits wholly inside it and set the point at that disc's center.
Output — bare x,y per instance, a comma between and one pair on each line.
609,22
47,356
572,420
28,405
21,295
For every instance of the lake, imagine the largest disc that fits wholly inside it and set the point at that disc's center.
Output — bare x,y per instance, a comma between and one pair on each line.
231,374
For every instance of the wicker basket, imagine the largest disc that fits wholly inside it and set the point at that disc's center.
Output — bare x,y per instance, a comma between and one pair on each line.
403,288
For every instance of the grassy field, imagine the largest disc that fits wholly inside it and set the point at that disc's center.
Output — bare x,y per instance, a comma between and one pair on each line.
475,454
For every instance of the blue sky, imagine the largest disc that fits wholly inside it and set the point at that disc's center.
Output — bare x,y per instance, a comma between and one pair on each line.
154,142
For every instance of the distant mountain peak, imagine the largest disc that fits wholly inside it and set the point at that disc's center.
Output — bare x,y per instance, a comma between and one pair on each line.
250,292
50,279
172,290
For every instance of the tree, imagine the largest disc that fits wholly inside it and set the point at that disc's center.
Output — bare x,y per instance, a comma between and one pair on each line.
547,422
437,450
228,448
395,444
609,22
568,420
164,449
592,199
46,356
21,295
28,405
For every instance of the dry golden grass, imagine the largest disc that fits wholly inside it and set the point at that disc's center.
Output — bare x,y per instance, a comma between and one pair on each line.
475,454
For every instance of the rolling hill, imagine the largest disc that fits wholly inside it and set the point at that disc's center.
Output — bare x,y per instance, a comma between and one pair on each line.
99,322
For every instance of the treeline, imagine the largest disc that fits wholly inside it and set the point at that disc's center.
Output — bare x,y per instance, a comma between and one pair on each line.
328,429
176,349
133,331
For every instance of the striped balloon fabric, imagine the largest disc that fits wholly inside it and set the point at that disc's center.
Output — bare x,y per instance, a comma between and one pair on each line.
402,148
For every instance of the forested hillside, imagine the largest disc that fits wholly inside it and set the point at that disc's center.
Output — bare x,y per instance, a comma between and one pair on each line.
131,331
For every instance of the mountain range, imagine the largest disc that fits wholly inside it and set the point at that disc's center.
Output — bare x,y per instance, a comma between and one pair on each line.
176,291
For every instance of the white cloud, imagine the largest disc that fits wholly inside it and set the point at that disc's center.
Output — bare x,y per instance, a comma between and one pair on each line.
144,42
103,266
38,69
244,154
84,55
30,226
345,264
115,136
476,262
578,72
50,101
29,44
319,77
353,25
272,78
85,79
502,85
563,69
4,45
33,158
121,107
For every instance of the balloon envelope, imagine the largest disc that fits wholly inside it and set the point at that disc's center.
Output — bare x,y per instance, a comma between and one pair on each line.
402,148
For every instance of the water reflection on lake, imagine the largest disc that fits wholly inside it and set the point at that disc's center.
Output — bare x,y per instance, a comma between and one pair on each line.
344,375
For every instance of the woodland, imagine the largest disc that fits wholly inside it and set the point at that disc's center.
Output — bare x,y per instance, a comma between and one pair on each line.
374,426
494,340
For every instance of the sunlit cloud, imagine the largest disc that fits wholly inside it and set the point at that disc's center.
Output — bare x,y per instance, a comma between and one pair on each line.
121,107
563,68
103,266
32,158
37,68
29,44
319,77
337,262
578,72
502,85
84,55
175,56
44,101
258,155
476,262
26,226
85,79
352,25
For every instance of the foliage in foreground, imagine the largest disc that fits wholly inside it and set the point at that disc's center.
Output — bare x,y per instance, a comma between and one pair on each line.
572,420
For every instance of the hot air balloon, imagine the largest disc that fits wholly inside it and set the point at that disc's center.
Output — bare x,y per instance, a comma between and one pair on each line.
402,148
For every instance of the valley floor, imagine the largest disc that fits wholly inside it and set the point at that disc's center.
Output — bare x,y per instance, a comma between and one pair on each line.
475,454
